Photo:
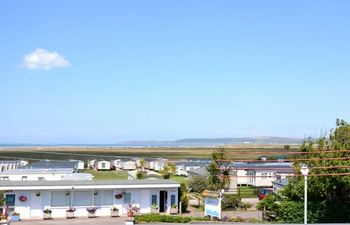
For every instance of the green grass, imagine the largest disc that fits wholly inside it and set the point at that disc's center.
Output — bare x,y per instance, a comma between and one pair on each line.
178,179
248,192
107,175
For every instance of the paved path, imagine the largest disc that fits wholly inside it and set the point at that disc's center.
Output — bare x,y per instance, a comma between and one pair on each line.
121,220
75,221
250,213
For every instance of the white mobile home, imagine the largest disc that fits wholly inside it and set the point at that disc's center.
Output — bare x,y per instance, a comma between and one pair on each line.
80,164
116,164
261,174
91,163
102,165
129,165
181,170
32,174
30,198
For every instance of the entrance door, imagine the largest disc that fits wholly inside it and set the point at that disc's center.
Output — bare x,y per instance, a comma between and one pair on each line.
163,201
36,210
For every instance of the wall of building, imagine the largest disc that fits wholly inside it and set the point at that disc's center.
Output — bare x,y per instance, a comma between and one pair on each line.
37,201
32,176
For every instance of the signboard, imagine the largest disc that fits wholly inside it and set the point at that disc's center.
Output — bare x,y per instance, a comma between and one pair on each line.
212,206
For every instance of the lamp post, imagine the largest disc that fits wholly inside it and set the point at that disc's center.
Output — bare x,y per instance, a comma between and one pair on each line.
305,171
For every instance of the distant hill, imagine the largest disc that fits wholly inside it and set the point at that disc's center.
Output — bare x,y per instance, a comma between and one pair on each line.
209,142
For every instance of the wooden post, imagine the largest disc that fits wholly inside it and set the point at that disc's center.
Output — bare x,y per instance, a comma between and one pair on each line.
264,213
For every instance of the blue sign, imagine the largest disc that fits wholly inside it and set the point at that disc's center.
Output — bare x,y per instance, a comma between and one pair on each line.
212,207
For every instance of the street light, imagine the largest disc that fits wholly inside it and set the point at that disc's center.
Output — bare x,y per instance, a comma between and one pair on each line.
305,171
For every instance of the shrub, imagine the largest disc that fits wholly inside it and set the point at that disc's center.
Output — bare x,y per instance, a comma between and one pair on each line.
184,196
157,218
230,201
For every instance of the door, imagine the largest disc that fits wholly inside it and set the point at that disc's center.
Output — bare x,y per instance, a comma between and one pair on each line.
163,201
36,210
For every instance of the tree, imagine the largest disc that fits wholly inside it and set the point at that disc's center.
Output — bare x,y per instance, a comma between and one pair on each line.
328,196
168,169
142,164
198,184
219,171
286,147
184,196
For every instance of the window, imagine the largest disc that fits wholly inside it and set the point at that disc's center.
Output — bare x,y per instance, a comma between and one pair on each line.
24,178
154,200
103,198
82,198
264,175
103,165
4,178
10,199
41,178
60,198
172,200
127,198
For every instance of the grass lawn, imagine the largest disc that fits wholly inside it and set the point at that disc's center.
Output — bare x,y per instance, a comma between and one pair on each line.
107,175
179,179
248,192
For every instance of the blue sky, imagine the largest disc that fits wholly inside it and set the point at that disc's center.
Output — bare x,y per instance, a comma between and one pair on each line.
109,71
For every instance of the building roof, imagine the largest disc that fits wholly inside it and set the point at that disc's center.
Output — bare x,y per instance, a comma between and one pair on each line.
29,170
203,172
10,161
49,164
281,182
86,184
148,174
272,166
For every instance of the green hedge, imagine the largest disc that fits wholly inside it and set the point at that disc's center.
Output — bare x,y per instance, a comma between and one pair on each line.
157,218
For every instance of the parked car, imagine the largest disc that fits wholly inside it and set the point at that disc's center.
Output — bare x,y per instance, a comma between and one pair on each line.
263,192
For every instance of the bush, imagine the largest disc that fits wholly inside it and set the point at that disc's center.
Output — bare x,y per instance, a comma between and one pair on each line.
156,218
198,184
230,201
184,196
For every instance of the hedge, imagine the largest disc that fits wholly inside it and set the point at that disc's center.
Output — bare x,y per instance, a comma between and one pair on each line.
157,218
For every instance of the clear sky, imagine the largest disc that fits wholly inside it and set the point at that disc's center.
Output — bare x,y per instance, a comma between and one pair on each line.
109,71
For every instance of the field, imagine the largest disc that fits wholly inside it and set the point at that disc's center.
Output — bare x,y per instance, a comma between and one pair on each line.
85,153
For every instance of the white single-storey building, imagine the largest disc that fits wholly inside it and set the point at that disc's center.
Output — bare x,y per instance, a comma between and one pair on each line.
261,174
40,174
80,163
181,170
91,163
32,174
116,164
30,198
102,165
129,165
